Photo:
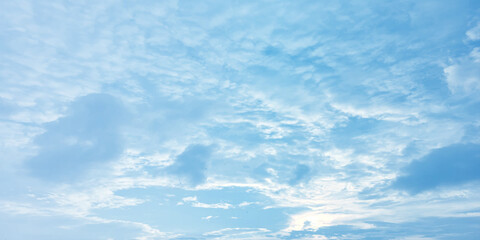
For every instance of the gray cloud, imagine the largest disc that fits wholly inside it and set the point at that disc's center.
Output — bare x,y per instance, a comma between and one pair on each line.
87,135
455,164
192,163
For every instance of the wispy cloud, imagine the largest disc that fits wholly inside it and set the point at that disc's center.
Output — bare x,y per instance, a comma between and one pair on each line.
192,201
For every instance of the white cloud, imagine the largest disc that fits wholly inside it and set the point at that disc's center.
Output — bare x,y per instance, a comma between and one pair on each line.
317,219
415,237
190,199
208,217
240,233
244,204
23,208
147,232
464,77
474,33
214,205
195,203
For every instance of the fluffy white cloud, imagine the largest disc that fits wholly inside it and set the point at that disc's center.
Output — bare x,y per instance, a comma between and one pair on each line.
464,76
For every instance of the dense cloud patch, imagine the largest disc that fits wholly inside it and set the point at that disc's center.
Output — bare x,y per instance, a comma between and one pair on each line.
88,134
450,165
191,164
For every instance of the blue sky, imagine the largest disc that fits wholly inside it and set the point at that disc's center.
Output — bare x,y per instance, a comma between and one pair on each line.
239,120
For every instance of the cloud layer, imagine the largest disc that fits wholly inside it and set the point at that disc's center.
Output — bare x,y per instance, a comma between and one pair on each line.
239,120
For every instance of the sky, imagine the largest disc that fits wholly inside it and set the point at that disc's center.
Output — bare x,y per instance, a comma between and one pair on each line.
263,120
